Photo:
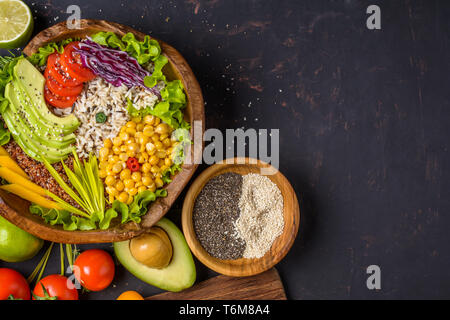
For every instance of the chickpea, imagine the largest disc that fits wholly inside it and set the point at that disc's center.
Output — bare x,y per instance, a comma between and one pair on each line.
143,140
159,183
167,162
107,143
131,153
149,119
152,187
153,160
132,191
131,131
128,183
117,141
155,137
140,126
148,131
166,142
116,150
141,189
123,197
138,184
154,169
161,162
150,148
162,128
117,167
111,198
134,147
131,124
163,168
123,157
104,152
136,119
147,181
136,176
130,141
109,181
120,186
146,167
102,173
158,145
157,121
130,200
112,191
160,154
125,174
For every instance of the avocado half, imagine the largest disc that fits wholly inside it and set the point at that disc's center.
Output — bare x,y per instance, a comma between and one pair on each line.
180,274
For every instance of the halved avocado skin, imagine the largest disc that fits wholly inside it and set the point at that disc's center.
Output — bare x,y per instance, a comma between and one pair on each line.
180,274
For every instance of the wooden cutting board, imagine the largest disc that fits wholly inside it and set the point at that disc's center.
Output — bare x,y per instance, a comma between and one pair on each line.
264,286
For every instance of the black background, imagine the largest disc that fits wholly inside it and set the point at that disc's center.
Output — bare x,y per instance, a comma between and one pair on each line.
364,128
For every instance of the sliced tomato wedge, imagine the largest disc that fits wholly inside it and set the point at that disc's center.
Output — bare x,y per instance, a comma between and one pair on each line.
55,70
56,101
71,63
56,88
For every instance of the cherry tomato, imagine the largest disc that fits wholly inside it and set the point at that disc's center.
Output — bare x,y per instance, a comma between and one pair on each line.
130,295
60,102
14,284
96,269
58,89
133,164
56,286
71,63
55,70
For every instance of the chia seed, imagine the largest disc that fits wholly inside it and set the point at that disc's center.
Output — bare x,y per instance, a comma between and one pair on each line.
215,211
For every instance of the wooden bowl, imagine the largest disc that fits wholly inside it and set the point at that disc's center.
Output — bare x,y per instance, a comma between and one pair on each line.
16,209
280,247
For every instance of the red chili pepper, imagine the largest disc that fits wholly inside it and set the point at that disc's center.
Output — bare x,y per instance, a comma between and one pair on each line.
133,164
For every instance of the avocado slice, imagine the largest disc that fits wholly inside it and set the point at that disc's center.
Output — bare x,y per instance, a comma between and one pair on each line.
32,82
180,274
19,126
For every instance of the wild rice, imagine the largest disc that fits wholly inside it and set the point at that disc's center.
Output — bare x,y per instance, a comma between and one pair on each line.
101,96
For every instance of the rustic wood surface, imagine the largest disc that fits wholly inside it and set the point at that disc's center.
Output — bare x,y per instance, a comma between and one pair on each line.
264,286
16,210
280,247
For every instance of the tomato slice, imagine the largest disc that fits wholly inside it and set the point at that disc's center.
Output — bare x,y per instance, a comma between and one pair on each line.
71,63
55,70
60,102
58,89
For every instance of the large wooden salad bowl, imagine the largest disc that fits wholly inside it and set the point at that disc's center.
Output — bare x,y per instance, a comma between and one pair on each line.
16,209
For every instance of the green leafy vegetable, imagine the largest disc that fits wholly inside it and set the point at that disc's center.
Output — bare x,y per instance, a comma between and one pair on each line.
142,51
40,58
138,207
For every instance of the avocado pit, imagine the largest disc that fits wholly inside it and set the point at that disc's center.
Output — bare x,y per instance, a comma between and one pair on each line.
153,248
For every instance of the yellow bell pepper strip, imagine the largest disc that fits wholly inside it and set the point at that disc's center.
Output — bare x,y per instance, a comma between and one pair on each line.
30,196
6,161
3,152
15,178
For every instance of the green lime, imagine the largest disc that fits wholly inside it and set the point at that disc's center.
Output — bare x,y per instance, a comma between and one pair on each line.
16,24
17,245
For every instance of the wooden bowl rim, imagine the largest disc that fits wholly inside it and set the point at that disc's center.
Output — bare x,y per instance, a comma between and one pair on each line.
36,225
234,267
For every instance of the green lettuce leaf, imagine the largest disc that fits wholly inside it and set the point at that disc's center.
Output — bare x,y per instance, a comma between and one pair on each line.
40,58
142,51
62,217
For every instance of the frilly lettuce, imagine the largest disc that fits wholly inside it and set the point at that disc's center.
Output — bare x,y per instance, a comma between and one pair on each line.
142,51
40,58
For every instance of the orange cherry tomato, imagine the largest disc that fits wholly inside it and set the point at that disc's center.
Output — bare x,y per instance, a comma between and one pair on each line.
56,88
71,63
61,102
130,295
55,70
96,269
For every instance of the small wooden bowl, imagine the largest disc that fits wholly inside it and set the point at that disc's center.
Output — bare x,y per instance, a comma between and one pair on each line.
16,210
280,247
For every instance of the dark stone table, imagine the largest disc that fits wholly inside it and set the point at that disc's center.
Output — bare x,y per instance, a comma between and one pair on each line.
364,128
